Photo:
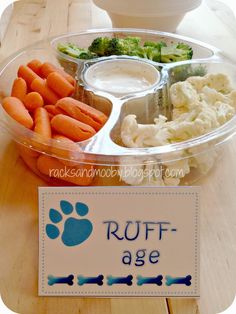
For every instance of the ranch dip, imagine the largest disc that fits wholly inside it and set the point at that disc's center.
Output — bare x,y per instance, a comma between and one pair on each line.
121,77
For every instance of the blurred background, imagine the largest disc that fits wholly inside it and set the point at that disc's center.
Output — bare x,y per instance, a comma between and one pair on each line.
31,18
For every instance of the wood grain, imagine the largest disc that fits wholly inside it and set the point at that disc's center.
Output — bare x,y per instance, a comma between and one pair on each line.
179,306
35,20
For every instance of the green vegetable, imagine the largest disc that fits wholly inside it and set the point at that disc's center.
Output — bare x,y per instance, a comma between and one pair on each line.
100,46
75,52
181,73
131,46
124,46
175,53
153,44
150,53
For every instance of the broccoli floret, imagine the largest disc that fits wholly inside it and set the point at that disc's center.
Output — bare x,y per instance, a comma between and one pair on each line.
152,50
187,48
150,53
75,52
86,55
100,46
184,47
153,44
181,73
174,53
124,46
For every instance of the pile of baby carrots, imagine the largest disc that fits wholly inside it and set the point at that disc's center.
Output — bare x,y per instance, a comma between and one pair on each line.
42,100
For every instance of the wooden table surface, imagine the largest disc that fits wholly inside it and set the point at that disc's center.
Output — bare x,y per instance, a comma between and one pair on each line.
33,20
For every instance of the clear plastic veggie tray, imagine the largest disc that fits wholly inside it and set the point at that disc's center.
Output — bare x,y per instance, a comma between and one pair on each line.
123,151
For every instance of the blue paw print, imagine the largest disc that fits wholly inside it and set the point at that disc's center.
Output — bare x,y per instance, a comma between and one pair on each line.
75,231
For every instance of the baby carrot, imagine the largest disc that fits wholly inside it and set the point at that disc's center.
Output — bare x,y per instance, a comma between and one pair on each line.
35,66
62,138
40,86
60,85
33,100
42,123
68,152
19,88
53,110
50,116
27,74
31,163
82,112
16,109
83,175
27,151
71,128
48,68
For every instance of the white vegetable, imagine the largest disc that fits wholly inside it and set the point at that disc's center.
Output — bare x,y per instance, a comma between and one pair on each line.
200,105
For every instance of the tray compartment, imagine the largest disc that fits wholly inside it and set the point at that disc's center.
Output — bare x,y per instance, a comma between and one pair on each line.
84,39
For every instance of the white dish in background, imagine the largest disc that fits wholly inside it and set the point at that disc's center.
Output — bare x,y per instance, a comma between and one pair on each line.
151,14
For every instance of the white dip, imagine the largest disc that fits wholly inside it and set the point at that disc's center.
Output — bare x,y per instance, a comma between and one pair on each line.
121,76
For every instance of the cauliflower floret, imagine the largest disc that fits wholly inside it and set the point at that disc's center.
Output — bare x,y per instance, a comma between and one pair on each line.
144,173
183,94
211,96
232,97
171,181
201,120
177,169
131,174
178,112
203,161
224,112
197,82
220,82
144,135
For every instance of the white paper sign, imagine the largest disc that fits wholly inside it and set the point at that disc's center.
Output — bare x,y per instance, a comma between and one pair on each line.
119,241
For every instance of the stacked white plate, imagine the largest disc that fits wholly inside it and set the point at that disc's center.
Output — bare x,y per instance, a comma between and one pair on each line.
164,15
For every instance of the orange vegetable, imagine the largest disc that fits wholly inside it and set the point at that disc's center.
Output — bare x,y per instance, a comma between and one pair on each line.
40,86
27,74
63,138
19,88
53,110
71,128
28,151
42,123
68,151
48,68
31,162
82,112
35,66
33,100
60,85
50,116
16,109
55,169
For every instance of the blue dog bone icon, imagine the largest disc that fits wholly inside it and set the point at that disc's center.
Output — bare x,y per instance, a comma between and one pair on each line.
149,280
111,280
90,280
75,231
178,280
52,280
